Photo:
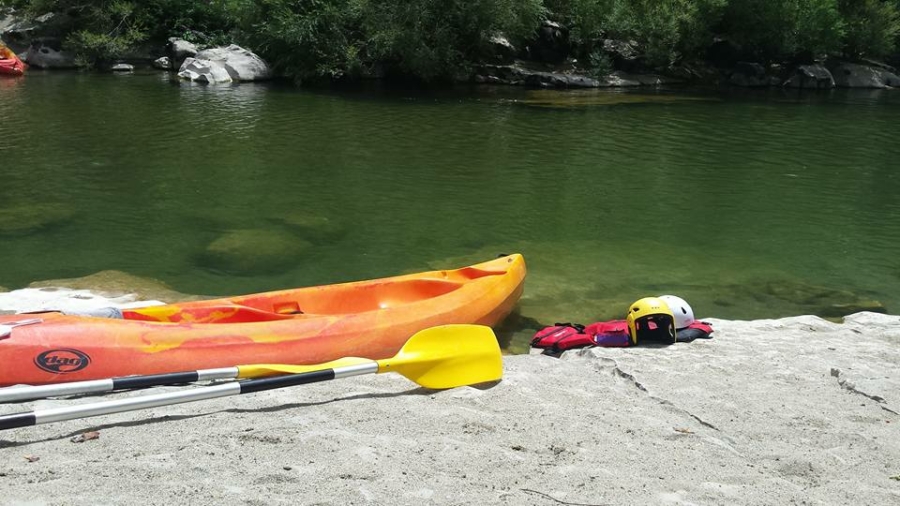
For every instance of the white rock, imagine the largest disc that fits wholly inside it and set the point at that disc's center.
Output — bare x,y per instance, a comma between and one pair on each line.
204,71
224,65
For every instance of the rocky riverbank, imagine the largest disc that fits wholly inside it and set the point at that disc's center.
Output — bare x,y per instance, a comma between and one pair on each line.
796,410
546,65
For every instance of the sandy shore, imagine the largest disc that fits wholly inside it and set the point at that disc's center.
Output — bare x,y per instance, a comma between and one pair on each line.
791,411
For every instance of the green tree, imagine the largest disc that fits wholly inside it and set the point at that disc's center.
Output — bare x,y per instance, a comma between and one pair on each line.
667,30
432,39
588,21
104,30
305,39
670,29
872,27
207,22
784,29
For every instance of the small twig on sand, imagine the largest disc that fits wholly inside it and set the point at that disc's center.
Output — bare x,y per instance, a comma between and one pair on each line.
548,496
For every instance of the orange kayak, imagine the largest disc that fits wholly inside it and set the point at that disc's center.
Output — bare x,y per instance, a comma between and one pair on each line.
10,64
370,319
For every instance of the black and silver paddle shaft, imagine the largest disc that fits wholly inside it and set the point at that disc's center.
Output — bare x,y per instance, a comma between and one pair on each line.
51,415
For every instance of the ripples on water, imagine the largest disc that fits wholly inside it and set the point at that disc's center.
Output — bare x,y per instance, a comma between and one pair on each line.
735,201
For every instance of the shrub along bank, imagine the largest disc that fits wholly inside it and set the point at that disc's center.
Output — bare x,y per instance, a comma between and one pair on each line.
440,39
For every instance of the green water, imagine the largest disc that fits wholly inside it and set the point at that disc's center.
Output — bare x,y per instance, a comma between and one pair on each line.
747,204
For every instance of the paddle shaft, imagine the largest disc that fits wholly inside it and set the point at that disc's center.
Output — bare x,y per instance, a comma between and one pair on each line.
17,394
38,417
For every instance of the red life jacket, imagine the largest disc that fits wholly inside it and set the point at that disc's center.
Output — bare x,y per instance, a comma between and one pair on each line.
612,334
560,337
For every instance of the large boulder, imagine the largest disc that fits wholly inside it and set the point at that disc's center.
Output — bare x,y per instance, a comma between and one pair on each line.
204,71
519,75
695,70
853,75
621,80
551,44
7,20
624,54
814,77
179,50
162,63
749,75
723,53
225,65
500,49
46,54
38,40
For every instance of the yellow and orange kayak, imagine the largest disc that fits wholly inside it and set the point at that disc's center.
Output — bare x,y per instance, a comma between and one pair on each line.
10,64
370,319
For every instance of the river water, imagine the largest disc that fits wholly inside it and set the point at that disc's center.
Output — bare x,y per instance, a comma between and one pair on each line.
749,204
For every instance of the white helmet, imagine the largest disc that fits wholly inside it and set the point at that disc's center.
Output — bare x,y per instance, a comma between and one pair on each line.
681,310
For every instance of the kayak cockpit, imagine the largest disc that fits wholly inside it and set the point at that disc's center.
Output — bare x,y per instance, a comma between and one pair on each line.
300,303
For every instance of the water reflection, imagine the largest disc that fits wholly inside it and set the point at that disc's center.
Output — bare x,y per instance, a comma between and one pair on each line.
221,109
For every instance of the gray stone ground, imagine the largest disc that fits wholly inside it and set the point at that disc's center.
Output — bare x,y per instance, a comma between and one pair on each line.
791,411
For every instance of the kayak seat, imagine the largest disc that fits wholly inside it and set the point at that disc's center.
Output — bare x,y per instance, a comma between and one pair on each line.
474,273
286,308
375,296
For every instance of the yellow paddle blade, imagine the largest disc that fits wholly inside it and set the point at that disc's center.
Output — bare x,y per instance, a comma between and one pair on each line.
448,356
439,357
263,370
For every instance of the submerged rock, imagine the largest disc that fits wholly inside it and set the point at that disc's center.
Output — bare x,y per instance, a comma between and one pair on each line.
312,227
588,98
112,283
32,218
71,301
820,300
254,251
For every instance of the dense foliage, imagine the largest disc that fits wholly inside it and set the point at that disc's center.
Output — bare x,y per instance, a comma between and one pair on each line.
305,38
434,39
428,37
666,29
102,30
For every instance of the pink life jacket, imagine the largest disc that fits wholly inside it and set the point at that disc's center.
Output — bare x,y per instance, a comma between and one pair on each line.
611,334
